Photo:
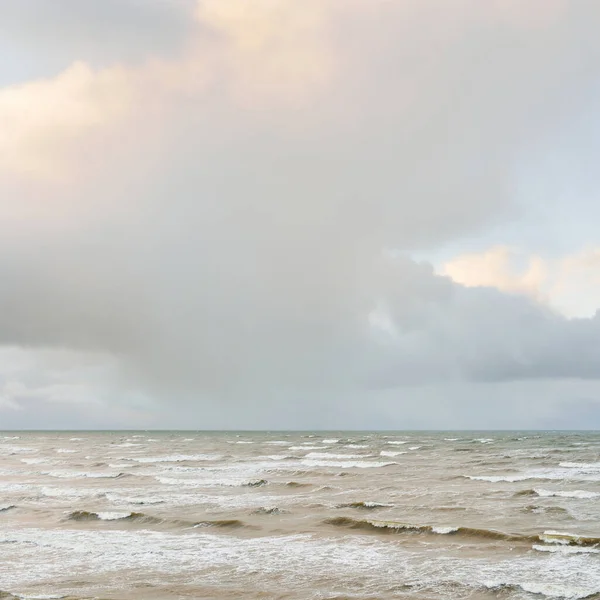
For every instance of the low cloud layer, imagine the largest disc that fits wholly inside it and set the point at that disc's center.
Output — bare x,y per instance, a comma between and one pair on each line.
228,220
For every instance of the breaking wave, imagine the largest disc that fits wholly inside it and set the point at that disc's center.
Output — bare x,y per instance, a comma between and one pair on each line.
365,505
84,515
579,494
548,537
356,464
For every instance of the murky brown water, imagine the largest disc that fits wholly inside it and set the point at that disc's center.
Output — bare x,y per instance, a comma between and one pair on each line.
300,515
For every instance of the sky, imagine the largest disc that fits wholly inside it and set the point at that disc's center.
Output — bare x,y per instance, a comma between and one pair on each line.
266,214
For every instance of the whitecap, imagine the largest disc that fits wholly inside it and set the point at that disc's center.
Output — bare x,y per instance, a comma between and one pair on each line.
581,494
113,516
358,464
173,458
334,456
444,530
391,453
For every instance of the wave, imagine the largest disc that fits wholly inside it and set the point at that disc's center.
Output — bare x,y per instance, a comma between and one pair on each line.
268,510
280,457
199,483
533,508
498,478
395,527
579,465
133,500
174,458
81,475
554,538
566,549
6,507
568,539
257,483
330,441
84,515
575,472
224,523
297,484
357,464
329,455
396,442
365,505
579,494
391,453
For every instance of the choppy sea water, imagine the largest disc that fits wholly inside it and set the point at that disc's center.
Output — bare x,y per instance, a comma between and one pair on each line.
123,515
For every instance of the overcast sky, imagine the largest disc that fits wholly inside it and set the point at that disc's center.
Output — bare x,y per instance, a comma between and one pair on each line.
281,214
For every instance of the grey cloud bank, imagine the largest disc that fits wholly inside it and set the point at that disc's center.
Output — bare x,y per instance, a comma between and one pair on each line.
222,245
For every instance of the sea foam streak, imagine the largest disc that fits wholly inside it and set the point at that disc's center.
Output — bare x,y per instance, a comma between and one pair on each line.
356,464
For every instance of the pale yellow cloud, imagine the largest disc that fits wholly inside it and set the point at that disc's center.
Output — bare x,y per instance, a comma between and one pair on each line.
42,120
274,49
267,55
497,268
570,284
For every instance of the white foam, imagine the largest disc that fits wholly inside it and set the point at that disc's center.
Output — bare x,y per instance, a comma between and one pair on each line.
559,474
62,492
396,442
113,516
174,458
357,446
498,478
330,441
391,453
80,474
581,466
276,456
357,464
415,447
566,549
334,456
40,596
66,451
444,530
119,499
301,562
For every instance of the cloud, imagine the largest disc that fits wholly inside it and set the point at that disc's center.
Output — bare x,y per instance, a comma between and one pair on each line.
569,284
220,221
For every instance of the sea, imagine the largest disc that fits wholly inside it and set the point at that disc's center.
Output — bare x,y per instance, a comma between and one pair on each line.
300,515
